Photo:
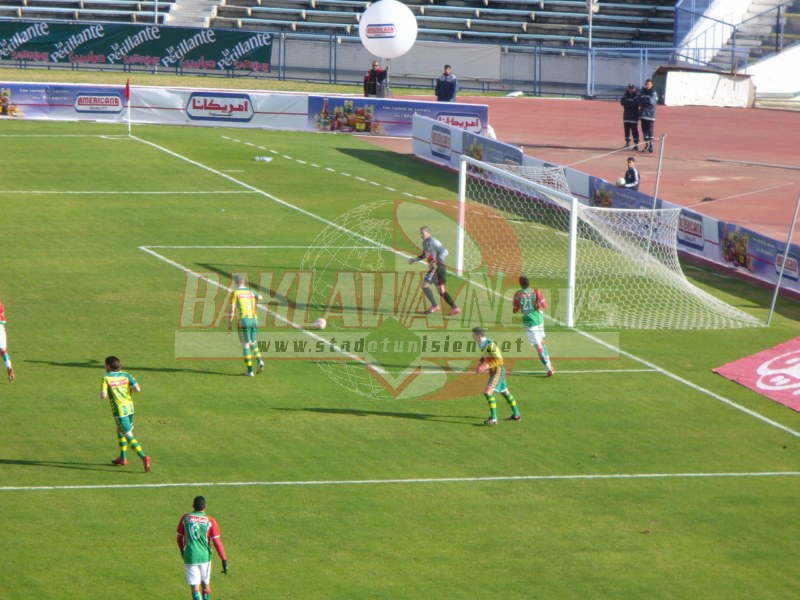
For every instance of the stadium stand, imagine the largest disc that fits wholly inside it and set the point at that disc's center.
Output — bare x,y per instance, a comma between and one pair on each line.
123,11
558,22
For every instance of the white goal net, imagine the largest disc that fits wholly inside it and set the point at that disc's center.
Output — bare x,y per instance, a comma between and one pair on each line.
625,271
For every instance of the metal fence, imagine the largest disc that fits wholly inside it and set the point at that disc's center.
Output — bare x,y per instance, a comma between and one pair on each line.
531,69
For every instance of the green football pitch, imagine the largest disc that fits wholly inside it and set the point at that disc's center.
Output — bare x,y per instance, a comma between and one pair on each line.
341,472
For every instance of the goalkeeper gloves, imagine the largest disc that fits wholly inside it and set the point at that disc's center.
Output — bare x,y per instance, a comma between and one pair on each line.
224,567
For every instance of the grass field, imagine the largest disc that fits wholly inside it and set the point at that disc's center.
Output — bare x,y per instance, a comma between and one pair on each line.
641,475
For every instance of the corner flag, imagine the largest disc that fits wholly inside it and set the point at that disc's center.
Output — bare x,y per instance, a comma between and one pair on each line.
128,98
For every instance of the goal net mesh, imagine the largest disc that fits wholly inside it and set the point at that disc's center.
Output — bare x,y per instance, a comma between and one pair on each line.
516,221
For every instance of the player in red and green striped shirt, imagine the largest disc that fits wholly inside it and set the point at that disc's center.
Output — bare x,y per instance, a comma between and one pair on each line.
196,532
3,346
117,386
531,302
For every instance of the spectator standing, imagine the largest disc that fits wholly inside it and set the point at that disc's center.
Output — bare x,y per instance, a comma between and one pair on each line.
375,81
648,98
447,86
630,116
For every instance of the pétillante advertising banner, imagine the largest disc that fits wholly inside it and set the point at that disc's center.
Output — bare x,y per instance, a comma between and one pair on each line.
103,44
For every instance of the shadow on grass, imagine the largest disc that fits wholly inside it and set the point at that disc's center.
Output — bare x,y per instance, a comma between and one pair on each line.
352,412
55,464
406,165
90,363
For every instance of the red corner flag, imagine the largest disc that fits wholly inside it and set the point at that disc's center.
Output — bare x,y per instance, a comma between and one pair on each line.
128,90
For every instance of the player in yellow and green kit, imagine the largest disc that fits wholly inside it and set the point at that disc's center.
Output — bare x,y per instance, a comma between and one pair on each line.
117,386
492,361
244,303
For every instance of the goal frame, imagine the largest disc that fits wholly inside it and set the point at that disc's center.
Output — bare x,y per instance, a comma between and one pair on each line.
568,200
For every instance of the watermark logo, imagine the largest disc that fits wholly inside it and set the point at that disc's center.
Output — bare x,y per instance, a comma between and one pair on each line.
381,341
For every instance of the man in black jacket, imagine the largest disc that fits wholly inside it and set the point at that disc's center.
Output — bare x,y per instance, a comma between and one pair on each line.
648,98
630,116
375,81
447,86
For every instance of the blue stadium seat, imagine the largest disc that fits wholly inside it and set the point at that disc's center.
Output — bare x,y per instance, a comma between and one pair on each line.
356,5
447,11
498,25
448,23
502,13
544,38
341,17
47,12
269,12
252,23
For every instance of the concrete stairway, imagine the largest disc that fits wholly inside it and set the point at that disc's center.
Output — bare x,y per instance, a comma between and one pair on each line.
751,34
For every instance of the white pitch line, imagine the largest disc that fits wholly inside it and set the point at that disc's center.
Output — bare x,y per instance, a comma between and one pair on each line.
153,193
588,336
596,477
260,247
586,372
303,162
263,307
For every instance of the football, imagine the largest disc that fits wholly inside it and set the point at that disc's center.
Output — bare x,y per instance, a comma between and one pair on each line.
320,323
621,182
482,366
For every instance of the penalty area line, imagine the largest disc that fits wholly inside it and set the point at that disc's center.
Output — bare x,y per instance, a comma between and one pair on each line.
502,478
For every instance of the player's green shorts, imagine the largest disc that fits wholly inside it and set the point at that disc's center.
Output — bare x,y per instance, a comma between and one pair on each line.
497,379
124,424
248,328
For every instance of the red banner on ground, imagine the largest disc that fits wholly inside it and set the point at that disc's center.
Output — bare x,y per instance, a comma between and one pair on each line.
774,373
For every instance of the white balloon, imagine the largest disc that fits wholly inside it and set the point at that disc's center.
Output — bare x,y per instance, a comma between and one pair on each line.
388,29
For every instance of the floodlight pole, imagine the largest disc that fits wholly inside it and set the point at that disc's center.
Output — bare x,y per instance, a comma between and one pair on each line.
388,91
783,264
590,10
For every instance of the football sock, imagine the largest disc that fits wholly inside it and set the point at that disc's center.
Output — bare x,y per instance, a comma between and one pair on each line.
449,299
248,359
257,352
207,594
135,446
544,355
6,359
512,402
492,406
123,446
429,295
196,595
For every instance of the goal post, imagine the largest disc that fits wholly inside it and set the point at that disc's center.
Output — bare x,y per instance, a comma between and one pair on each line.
559,196
609,268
